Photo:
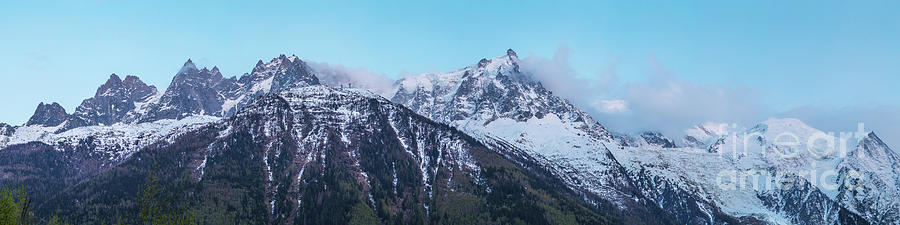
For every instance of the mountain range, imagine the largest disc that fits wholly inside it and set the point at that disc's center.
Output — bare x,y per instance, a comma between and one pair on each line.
484,144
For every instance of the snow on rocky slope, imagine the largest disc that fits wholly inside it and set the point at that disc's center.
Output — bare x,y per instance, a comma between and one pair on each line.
869,181
205,92
127,114
781,171
322,155
492,99
496,102
117,141
707,179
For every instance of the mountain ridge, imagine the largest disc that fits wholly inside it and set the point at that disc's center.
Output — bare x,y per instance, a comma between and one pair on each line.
280,109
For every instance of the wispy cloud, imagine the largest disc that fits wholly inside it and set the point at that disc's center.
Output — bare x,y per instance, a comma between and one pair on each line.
663,102
669,104
336,75
557,75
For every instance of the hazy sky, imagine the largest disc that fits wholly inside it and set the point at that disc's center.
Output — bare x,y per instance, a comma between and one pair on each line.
764,57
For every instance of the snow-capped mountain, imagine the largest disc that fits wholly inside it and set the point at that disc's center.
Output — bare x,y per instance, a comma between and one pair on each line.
646,139
745,172
483,143
496,102
122,110
744,188
702,136
113,102
321,155
281,73
869,181
304,144
192,92
205,92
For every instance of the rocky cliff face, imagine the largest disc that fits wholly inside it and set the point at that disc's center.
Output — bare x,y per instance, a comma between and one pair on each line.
114,102
50,115
192,92
205,92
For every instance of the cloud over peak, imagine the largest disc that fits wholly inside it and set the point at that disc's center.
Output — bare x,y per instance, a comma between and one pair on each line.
339,75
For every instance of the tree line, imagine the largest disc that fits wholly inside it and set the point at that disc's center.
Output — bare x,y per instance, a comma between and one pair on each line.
16,207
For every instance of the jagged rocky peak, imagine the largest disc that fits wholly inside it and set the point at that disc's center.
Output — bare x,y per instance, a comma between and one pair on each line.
188,66
207,92
495,101
871,186
489,90
113,101
113,83
511,53
113,80
280,73
259,66
653,139
280,62
657,139
192,92
49,115
139,89
871,148
704,135
6,129
132,88
191,75
508,63
484,62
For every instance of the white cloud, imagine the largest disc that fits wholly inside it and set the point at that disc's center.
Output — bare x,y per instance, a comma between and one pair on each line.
671,105
611,106
662,103
557,75
337,75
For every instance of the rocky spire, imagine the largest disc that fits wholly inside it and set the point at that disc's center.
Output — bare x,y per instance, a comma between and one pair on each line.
188,67
111,103
192,92
113,83
49,115
6,129
259,66
511,53
286,72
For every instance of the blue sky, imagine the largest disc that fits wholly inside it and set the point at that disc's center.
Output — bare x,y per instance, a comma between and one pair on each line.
784,55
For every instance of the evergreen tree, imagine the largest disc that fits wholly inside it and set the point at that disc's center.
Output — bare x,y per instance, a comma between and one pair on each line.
156,211
15,207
